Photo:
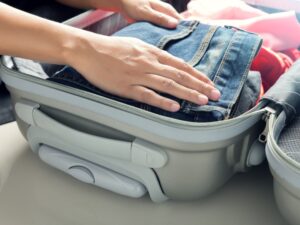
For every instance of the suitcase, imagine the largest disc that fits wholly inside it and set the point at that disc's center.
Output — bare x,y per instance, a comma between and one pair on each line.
133,152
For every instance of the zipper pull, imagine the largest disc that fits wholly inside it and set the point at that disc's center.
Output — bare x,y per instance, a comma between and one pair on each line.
263,136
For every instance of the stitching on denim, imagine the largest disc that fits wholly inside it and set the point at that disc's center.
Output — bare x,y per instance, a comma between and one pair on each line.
208,108
198,56
233,41
189,105
203,46
224,59
189,29
255,45
236,39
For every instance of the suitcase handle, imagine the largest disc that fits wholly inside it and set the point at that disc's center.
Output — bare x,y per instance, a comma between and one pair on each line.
139,151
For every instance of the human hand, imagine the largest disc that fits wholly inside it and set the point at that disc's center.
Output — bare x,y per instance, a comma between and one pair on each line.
133,69
154,11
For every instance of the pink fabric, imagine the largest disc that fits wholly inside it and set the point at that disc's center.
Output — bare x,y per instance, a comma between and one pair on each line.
222,9
280,31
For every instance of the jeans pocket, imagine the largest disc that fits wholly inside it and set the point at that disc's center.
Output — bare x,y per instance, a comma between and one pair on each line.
191,43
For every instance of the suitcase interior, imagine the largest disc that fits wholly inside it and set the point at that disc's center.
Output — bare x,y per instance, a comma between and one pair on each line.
283,154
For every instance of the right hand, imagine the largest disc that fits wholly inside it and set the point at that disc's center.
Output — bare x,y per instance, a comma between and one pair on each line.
133,69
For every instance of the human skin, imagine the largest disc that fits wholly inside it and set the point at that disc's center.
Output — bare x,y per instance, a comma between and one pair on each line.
123,66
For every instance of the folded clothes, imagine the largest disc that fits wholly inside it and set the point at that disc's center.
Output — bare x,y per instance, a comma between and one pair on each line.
220,9
293,53
224,54
271,65
238,14
250,95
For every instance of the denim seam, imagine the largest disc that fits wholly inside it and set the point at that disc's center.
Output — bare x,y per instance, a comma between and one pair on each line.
189,105
209,108
185,32
246,71
237,37
224,59
203,46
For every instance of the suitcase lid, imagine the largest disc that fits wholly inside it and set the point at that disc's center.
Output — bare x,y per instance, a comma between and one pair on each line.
282,132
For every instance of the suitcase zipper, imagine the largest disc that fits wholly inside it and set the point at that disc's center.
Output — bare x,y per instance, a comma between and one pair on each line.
263,136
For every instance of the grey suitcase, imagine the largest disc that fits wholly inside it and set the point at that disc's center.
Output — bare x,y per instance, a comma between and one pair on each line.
132,152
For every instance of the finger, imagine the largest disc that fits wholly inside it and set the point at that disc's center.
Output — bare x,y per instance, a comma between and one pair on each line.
165,8
160,18
170,60
188,81
150,97
169,86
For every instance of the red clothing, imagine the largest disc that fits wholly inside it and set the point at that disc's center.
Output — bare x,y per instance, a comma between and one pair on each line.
271,65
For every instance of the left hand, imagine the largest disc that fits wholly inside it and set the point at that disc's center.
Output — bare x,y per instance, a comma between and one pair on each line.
154,11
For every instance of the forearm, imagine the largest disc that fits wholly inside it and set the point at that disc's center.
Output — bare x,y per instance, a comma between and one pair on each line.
32,37
114,5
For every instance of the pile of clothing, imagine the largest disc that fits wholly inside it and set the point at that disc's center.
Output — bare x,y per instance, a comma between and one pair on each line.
280,32
239,47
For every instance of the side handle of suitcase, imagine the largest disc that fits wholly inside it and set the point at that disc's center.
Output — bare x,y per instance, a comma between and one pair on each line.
138,152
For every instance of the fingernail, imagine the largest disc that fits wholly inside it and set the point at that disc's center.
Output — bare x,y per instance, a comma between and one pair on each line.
175,107
202,99
215,94
173,22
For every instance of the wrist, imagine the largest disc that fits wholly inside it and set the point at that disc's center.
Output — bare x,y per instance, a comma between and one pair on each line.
81,45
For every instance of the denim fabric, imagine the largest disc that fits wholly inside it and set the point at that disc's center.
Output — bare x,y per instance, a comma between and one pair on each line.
250,94
223,54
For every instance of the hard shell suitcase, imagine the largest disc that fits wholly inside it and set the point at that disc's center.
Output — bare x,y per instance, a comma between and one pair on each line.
131,151
283,142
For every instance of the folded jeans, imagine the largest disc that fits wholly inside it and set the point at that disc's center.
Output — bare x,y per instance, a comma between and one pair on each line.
223,54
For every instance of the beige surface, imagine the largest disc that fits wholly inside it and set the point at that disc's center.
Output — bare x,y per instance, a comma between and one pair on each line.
36,194
8,155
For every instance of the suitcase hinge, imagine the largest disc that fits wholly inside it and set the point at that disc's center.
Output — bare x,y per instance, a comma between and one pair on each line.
263,136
